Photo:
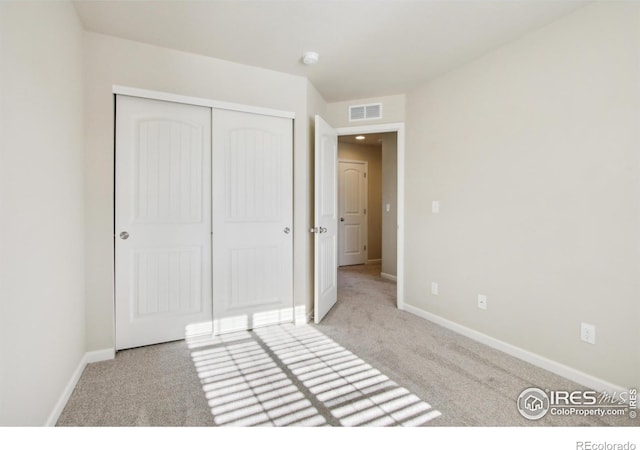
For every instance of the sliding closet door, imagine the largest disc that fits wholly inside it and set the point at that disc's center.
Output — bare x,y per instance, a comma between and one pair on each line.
163,221
252,220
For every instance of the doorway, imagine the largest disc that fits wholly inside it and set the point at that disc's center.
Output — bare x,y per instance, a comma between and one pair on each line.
379,152
378,213
326,222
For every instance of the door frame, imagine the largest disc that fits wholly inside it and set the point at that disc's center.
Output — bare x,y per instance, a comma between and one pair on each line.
197,101
400,136
187,100
366,202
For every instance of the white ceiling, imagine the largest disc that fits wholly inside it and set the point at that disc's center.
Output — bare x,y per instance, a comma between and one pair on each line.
369,139
367,48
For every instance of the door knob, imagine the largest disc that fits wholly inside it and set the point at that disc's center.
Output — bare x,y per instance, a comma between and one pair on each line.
341,219
124,235
287,230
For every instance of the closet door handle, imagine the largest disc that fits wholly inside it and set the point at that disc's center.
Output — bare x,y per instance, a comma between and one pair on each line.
124,235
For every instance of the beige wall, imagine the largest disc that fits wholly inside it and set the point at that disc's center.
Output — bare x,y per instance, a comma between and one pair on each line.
390,197
112,61
533,153
373,155
393,111
41,208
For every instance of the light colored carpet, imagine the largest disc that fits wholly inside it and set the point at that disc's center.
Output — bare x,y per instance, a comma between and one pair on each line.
469,383
366,364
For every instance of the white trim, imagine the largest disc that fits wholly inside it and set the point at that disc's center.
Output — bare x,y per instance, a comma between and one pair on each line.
301,316
374,261
386,276
89,357
197,101
389,128
66,394
520,353
100,355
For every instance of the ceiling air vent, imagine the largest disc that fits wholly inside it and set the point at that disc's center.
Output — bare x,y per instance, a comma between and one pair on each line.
365,112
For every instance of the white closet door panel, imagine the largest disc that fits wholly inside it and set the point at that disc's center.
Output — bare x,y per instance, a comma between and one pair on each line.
252,220
163,204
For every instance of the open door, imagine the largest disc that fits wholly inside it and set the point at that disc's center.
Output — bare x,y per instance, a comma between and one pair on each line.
326,219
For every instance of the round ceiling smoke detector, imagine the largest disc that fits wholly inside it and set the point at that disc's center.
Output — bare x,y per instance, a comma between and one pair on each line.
310,58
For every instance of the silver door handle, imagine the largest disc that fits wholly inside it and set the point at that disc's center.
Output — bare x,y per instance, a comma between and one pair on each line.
124,235
323,230
287,230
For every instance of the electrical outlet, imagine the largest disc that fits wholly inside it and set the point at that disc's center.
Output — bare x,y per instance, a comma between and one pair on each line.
435,206
434,288
482,301
588,333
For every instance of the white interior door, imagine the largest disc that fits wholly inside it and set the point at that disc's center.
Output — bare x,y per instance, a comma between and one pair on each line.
252,220
352,204
326,219
163,220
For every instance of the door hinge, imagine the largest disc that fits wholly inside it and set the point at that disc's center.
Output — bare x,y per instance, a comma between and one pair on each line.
365,210
365,247
365,174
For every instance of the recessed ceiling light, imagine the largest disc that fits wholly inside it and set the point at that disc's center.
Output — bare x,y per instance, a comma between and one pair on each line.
309,58
360,138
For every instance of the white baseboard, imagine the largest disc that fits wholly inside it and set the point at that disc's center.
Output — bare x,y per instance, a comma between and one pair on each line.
301,316
567,372
374,261
303,319
386,276
100,355
87,358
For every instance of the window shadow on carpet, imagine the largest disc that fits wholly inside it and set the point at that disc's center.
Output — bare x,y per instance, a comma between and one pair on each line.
295,375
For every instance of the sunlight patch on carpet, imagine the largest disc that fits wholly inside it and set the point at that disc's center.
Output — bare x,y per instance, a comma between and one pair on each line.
295,375
245,387
353,391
